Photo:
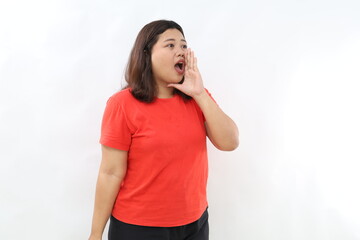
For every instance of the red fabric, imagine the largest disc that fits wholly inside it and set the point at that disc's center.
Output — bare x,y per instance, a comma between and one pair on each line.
165,183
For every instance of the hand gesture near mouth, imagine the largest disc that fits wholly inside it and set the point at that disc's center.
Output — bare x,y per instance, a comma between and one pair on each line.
193,84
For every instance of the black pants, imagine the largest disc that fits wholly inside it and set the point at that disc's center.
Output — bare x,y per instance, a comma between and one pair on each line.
198,230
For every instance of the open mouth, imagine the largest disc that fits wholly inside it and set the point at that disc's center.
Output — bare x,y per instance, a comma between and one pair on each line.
180,67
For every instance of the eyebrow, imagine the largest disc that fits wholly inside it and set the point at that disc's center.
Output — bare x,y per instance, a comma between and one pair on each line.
172,39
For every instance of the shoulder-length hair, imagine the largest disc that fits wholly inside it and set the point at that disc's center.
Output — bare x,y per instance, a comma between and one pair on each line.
138,74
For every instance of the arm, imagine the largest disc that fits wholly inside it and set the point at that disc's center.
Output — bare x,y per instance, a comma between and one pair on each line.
112,171
221,129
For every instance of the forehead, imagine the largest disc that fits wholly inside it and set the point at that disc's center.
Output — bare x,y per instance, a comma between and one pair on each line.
171,34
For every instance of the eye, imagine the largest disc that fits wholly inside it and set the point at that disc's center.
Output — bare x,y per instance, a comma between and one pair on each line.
170,45
184,46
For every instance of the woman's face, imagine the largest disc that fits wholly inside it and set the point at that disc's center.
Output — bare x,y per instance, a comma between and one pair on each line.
167,57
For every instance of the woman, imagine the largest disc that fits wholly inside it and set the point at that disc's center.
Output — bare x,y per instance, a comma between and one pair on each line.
153,174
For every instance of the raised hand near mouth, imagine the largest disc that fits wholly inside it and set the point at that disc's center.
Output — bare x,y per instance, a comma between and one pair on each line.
193,84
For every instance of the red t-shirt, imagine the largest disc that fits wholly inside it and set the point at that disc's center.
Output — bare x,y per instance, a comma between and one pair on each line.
167,171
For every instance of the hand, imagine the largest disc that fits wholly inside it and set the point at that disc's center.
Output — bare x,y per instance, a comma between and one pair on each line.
193,84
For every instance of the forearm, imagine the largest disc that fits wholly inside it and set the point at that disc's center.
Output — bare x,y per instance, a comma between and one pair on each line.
107,188
221,129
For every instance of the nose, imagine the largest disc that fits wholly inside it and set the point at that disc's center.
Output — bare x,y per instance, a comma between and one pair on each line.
181,52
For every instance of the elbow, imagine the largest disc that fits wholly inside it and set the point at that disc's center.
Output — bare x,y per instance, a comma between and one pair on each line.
226,140
234,146
229,145
232,142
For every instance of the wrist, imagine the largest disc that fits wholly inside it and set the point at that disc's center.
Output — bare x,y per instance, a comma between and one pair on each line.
95,236
200,95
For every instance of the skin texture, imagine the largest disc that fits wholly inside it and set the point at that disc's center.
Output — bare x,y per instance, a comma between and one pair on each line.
221,129
166,52
112,171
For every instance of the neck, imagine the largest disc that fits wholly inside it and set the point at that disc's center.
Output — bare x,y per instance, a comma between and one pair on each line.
164,91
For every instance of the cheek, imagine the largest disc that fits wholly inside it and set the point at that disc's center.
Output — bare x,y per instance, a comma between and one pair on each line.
155,65
158,58
160,63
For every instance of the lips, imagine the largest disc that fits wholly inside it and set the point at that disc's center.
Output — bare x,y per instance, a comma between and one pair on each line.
180,67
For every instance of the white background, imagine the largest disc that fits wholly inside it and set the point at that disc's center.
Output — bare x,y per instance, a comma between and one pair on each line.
286,71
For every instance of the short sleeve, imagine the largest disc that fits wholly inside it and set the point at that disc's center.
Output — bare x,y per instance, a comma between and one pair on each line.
115,132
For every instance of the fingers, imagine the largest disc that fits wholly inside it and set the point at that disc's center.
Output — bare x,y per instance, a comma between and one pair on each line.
191,61
195,64
187,59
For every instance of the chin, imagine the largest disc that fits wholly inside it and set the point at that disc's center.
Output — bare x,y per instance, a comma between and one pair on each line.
175,80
